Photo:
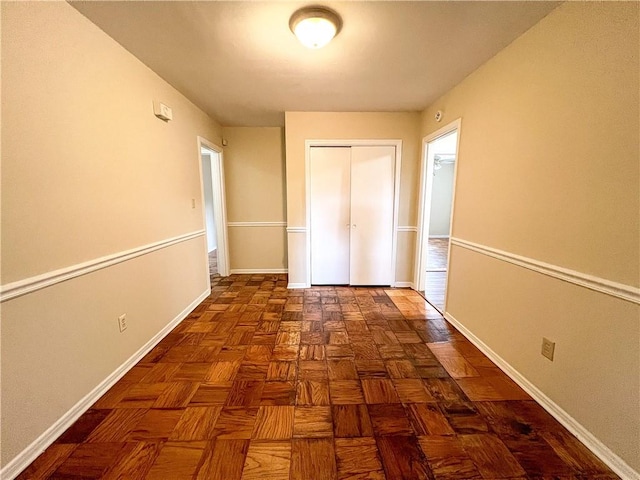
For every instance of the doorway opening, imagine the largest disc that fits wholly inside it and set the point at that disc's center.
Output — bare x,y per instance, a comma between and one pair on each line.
440,152
214,208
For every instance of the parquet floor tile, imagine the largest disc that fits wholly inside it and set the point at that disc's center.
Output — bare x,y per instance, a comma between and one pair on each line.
427,419
412,391
312,392
155,425
222,460
346,392
278,393
267,461
80,430
91,460
313,458
491,456
196,423
403,459
48,462
327,383
379,391
448,459
136,464
312,422
116,426
389,419
274,423
358,458
351,421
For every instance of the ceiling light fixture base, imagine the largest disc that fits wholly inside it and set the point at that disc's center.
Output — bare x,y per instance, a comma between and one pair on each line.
315,26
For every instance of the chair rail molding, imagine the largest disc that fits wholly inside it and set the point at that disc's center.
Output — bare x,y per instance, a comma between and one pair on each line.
256,224
628,293
38,282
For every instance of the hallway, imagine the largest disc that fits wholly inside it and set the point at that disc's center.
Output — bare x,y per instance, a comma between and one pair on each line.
261,382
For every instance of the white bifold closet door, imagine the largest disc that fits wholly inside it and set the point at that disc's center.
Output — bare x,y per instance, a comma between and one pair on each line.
330,215
352,205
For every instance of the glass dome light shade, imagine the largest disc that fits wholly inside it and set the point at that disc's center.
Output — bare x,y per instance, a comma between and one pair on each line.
315,26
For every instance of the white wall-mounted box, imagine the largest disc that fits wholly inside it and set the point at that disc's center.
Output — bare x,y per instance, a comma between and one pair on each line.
162,111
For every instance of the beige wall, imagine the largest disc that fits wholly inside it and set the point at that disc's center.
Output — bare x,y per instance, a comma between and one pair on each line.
549,169
301,126
87,171
441,195
255,187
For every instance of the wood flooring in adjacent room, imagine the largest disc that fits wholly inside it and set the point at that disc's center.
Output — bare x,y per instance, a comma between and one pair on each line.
261,382
436,274
213,262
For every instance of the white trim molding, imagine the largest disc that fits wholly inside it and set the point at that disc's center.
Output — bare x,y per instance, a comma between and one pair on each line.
439,236
407,228
40,444
293,286
424,203
404,285
256,224
219,198
38,282
251,271
619,290
296,229
617,464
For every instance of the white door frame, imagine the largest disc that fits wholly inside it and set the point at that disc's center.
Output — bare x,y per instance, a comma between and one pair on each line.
424,207
219,205
396,193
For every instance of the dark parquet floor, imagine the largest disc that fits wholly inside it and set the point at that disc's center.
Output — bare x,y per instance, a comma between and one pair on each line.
261,382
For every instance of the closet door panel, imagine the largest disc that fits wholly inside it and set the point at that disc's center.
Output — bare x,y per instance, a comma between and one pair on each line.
372,203
330,215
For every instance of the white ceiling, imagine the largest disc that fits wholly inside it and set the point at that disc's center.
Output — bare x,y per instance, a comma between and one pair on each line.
240,63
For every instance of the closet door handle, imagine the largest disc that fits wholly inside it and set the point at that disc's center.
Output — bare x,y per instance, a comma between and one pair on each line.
354,225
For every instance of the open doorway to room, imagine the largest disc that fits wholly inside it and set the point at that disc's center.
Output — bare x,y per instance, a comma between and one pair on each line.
438,185
209,212
214,208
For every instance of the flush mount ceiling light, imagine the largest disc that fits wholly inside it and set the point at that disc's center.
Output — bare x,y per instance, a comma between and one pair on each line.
315,26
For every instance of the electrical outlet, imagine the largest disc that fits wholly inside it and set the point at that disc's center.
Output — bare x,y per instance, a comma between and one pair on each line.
548,348
122,322
193,203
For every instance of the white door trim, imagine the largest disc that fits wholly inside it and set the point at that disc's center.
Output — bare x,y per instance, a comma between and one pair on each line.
396,194
426,185
219,205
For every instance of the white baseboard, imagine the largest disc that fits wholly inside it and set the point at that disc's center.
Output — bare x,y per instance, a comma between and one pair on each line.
617,464
438,236
251,271
40,444
396,285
